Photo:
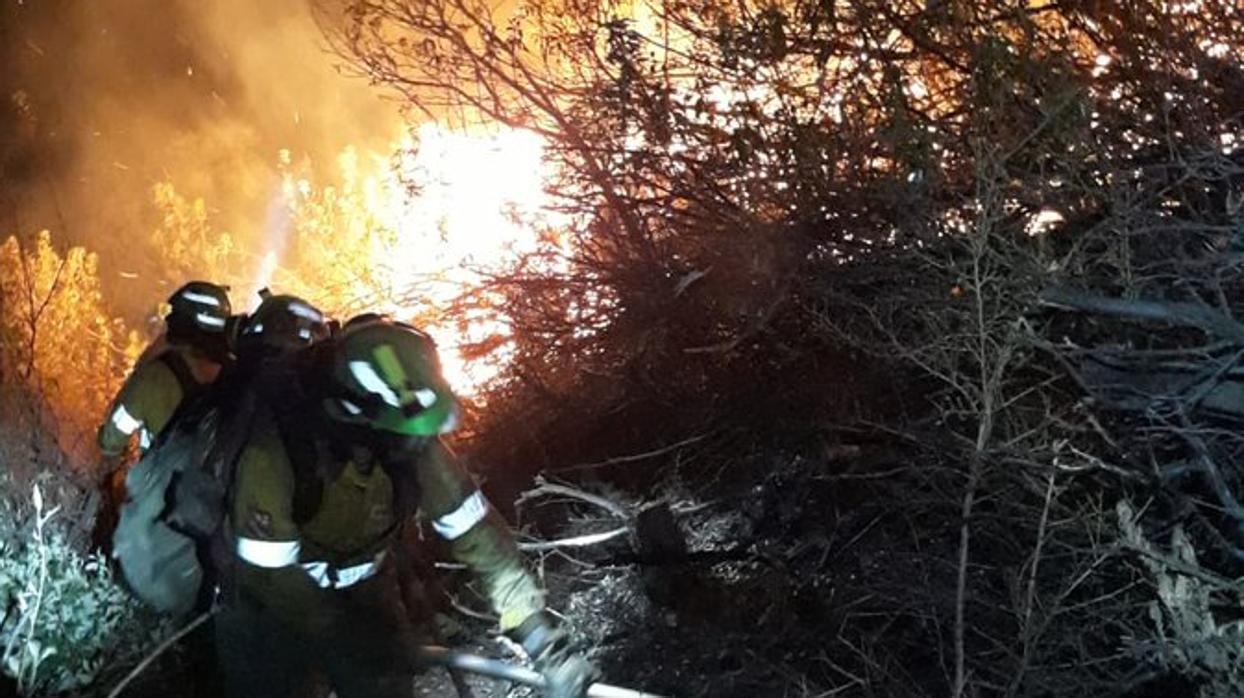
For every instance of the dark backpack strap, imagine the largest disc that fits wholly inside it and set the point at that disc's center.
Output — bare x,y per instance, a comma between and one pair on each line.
185,377
402,472
237,413
306,449
194,395
310,460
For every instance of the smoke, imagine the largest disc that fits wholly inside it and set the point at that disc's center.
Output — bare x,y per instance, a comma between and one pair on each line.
100,100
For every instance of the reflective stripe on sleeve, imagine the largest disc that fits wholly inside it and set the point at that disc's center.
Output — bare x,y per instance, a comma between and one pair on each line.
457,522
268,553
124,421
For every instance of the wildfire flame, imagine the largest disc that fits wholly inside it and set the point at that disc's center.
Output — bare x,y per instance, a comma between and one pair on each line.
450,207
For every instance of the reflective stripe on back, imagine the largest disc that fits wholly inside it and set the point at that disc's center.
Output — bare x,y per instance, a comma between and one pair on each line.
328,578
270,554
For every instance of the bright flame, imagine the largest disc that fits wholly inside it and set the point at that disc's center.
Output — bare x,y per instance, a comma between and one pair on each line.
409,231
480,203
1044,221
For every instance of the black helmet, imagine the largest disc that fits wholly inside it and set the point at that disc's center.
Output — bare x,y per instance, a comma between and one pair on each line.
282,323
198,307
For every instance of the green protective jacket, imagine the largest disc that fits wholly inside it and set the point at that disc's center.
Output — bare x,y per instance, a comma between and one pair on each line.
300,572
162,378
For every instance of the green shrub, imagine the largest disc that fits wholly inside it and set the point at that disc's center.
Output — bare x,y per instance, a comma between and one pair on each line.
65,621
1197,631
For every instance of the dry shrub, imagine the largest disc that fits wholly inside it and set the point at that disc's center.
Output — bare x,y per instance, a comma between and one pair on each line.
62,349
753,186
187,244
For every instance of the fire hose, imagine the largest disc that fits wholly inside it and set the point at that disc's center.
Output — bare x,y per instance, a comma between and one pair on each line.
504,671
451,660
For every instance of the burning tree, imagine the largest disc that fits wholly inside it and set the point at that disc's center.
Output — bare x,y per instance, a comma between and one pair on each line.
63,353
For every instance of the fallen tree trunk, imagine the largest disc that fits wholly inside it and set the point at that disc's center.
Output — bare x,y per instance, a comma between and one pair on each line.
1194,315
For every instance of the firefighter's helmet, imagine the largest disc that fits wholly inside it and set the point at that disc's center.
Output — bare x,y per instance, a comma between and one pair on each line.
386,375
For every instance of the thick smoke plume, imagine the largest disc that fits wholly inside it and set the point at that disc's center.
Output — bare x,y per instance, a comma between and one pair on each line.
101,100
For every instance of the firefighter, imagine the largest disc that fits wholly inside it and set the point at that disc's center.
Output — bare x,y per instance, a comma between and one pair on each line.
172,494
188,356
160,557
332,469
281,323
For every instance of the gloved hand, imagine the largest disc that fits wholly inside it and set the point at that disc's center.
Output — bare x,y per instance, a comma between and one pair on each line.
567,673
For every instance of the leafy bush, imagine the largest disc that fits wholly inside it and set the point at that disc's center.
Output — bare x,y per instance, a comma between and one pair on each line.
1195,633
66,620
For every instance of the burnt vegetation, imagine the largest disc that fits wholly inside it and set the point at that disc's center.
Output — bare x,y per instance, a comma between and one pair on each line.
810,242
878,348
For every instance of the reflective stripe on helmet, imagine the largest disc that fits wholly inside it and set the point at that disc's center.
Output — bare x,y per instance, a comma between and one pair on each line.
200,298
328,578
457,522
209,320
426,397
144,439
372,383
270,554
124,421
306,312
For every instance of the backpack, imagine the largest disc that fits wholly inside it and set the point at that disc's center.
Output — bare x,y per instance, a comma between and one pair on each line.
176,496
